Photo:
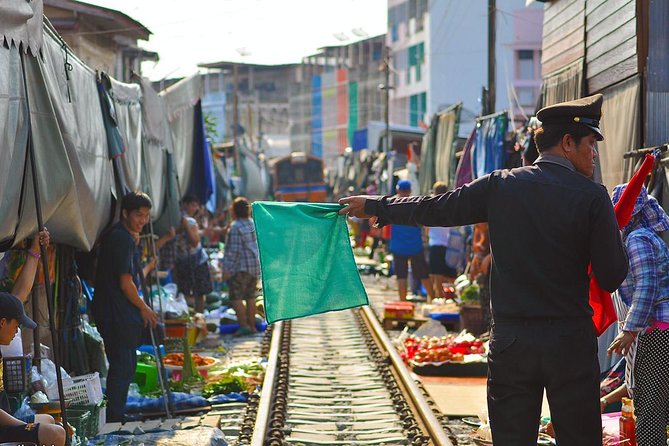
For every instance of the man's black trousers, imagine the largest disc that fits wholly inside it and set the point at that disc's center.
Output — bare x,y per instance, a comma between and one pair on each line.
530,355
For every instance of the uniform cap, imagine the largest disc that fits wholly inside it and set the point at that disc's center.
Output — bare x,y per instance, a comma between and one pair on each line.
585,111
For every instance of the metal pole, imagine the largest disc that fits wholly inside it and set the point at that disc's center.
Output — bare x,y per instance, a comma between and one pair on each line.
43,256
492,10
235,116
167,393
386,69
37,350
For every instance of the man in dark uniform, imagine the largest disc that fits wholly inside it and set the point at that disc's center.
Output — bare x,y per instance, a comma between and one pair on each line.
547,222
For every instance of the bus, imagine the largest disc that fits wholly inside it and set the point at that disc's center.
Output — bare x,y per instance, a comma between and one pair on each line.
298,177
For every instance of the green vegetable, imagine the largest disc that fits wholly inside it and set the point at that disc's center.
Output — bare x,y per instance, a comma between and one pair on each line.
146,358
227,384
470,294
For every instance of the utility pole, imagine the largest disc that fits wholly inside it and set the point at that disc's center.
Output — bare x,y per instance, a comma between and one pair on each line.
235,116
386,87
492,9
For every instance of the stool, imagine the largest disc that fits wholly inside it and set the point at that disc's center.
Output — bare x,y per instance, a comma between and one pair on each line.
146,377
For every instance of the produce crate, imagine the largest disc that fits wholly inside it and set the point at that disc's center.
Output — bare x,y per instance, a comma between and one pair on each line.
15,375
398,310
176,329
90,425
84,389
78,419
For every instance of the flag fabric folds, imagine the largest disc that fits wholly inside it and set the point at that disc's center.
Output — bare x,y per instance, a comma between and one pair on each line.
604,313
306,260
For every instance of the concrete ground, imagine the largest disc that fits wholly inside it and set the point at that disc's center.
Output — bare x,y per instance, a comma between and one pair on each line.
455,396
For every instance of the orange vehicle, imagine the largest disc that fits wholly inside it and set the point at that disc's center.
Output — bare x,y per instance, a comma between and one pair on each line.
298,177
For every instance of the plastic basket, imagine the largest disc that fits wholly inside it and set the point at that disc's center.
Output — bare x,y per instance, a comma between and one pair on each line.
84,389
79,420
95,420
15,376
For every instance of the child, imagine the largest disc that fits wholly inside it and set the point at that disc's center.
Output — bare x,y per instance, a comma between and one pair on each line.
242,265
43,431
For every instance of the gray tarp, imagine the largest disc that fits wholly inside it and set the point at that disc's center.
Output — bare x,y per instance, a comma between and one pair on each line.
180,100
621,129
156,141
13,139
21,24
75,174
127,99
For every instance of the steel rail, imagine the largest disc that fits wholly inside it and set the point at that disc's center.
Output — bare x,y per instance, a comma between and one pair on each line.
435,430
264,407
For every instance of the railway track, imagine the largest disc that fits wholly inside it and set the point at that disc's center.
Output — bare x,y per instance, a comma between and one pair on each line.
335,379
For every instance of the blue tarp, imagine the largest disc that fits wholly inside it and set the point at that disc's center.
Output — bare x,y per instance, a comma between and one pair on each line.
488,150
202,179
359,140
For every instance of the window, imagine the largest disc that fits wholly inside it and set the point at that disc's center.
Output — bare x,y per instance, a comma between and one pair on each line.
417,108
526,96
525,64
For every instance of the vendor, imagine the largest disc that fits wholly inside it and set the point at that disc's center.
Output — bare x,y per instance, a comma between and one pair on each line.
42,429
548,223
119,311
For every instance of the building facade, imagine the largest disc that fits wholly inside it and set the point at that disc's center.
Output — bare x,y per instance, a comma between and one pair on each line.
104,39
261,108
337,94
440,52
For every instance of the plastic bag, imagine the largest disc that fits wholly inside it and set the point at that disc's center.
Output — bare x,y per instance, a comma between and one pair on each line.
37,381
94,349
49,372
431,328
25,412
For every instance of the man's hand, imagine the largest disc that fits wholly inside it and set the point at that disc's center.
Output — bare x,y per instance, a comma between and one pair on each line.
149,316
354,206
622,343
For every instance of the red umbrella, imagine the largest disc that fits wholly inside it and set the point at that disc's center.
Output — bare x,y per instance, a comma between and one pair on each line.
604,314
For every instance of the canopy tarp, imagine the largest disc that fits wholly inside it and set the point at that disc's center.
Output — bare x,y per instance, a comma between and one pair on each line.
21,24
202,178
447,133
127,102
306,260
13,141
488,150
71,153
180,100
156,144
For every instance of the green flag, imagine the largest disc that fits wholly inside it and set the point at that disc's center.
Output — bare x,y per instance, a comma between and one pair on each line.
306,260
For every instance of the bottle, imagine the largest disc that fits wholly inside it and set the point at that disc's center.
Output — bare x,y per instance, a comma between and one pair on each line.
627,424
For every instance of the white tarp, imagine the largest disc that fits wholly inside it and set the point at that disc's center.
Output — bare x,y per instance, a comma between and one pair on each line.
127,103
156,141
21,24
180,100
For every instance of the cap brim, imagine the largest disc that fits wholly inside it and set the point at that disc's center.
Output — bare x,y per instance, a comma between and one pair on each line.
598,133
26,322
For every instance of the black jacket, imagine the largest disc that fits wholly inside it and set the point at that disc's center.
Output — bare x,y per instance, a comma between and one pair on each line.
547,224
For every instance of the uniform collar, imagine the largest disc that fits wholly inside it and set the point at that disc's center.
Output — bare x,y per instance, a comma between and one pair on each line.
555,159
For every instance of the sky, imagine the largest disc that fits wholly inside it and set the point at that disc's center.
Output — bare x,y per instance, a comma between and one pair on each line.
190,32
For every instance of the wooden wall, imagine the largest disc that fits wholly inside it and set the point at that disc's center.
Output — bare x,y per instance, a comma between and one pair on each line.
610,41
563,34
